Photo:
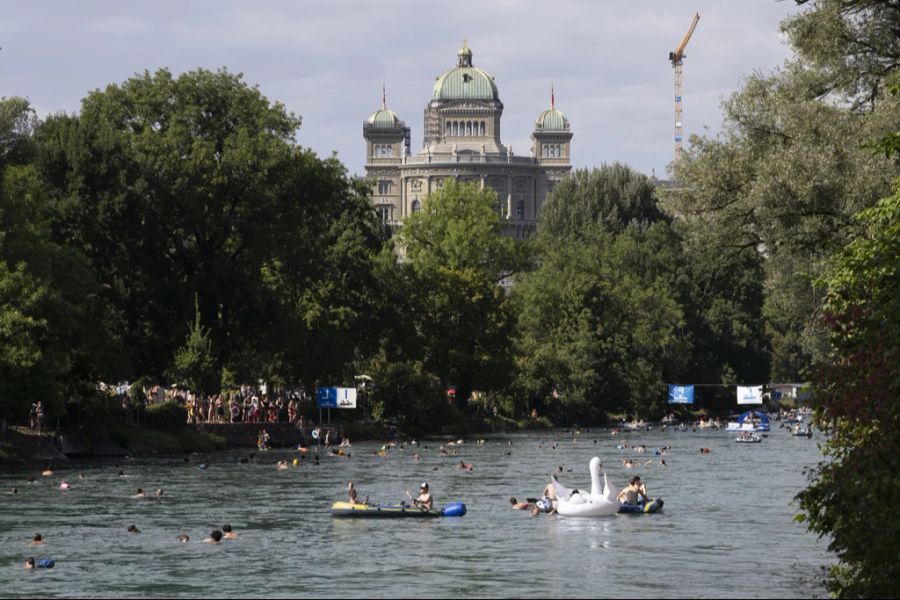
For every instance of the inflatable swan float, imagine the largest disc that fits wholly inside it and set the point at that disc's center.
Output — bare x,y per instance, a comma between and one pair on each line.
600,502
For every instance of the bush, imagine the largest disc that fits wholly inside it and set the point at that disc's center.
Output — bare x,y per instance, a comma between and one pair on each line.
170,417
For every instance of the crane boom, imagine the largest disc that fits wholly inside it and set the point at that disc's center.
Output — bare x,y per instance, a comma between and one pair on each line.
679,51
677,59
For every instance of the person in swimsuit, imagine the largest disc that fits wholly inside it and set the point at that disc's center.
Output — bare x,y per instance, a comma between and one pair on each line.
425,500
634,493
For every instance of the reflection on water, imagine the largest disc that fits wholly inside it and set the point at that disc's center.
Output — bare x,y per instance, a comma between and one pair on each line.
726,530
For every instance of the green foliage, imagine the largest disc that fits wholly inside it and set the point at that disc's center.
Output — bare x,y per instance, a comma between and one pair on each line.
614,196
622,304
406,393
852,496
457,258
169,416
46,291
193,364
599,326
792,165
193,186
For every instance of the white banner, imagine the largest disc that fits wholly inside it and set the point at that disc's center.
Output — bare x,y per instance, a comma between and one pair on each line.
346,397
750,394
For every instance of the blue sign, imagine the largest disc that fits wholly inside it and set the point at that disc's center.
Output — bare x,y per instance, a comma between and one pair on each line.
327,397
681,394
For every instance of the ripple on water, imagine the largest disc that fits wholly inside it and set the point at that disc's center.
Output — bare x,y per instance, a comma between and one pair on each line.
726,531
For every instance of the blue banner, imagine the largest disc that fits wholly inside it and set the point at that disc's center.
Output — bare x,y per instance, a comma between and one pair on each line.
327,397
681,394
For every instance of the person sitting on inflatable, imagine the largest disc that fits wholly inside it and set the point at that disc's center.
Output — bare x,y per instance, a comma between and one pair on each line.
634,493
425,501
352,495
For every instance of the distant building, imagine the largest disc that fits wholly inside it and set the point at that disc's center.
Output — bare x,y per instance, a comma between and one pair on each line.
462,141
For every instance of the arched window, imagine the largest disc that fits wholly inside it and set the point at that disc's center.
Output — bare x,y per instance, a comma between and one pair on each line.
416,206
468,127
455,128
520,210
482,127
449,128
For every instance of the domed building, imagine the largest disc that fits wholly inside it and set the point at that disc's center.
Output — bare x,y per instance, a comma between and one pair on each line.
462,141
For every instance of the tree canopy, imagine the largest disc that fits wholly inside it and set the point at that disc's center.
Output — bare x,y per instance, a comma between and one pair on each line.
193,186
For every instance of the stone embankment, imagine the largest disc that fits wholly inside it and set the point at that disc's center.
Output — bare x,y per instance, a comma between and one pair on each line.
281,435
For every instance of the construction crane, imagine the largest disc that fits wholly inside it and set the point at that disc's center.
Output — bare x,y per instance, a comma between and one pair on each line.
677,60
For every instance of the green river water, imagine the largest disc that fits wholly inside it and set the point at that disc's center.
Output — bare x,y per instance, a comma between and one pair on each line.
726,530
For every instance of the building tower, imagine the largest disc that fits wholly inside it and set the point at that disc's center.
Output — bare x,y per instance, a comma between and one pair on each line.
387,144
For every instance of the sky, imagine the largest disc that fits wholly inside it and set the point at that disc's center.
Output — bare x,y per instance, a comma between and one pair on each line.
327,61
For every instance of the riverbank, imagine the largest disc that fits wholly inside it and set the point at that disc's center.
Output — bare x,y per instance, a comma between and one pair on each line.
163,432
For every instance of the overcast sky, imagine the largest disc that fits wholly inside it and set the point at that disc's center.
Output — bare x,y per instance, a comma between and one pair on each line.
326,61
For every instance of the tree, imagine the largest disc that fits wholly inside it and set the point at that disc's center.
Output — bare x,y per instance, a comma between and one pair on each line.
852,495
194,186
612,195
791,167
599,327
46,290
457,257
193,363
622,303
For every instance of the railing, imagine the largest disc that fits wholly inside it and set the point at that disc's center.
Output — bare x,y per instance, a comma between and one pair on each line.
452,159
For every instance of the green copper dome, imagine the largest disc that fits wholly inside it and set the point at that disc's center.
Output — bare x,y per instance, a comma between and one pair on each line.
384,118
552,120
465,82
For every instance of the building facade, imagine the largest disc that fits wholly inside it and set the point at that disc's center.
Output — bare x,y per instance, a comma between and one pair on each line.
462,141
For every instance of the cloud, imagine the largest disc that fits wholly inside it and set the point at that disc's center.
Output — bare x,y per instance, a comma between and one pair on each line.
327,61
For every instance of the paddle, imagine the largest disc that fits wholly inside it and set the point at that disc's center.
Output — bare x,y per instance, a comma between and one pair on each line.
417,503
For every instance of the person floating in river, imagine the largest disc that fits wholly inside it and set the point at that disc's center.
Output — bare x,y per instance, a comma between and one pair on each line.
214,538
516,505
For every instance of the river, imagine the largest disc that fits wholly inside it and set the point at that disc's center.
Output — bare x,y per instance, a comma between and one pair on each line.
727,529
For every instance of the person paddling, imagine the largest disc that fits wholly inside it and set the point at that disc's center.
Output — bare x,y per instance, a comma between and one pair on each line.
425,501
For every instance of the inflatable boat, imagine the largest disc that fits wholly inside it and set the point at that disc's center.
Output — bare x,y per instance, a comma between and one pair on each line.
640,509
397,511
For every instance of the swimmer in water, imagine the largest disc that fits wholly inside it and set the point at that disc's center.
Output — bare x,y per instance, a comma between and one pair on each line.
159,492
140,493
29,564
465,467
516,505
133,529
47,472
64,485
214,538
122,474
184,538
37,540
228,533
13,491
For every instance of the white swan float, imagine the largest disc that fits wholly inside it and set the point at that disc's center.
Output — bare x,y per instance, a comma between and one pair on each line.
600,502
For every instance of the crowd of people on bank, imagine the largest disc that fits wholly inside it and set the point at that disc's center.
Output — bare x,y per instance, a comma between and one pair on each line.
248,404
241,407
